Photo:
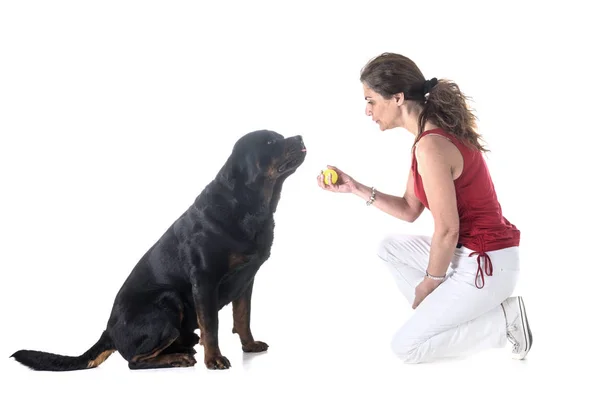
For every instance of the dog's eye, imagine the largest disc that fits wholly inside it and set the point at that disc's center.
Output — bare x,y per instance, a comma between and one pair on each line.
271,141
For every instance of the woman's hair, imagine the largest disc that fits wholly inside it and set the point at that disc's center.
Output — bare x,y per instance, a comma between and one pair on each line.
442,101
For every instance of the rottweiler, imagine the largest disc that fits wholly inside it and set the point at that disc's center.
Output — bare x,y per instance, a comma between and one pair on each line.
205,260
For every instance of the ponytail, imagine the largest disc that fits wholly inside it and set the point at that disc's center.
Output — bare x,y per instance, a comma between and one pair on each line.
446,106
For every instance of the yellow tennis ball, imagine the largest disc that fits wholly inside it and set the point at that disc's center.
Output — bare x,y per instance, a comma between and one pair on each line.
330,177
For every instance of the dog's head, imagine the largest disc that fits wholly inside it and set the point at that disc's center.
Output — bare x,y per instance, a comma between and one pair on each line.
264,157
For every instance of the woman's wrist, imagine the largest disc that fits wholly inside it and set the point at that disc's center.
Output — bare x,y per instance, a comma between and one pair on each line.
362,191
438,277
433,282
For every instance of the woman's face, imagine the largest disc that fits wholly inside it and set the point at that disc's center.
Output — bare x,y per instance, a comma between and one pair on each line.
384,112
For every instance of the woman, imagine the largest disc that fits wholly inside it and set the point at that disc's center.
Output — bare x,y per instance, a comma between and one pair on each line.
458,280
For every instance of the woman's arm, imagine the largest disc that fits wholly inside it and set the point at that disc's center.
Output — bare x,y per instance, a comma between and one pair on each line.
407,207
435,157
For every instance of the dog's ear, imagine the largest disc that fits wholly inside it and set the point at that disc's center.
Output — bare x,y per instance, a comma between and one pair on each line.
227,174
240,168
250,169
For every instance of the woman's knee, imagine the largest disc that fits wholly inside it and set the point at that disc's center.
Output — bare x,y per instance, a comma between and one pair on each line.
408,349
384,247
396,248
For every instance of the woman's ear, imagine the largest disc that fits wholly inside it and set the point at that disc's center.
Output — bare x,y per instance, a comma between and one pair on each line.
399,98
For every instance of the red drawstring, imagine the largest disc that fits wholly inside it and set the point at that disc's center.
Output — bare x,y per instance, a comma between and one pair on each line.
487,263
489,270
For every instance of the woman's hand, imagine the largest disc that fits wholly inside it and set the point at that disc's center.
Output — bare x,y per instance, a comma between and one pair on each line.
344,184
424,289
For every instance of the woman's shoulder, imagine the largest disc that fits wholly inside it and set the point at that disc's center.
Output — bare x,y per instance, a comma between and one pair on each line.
438,134
435,149
435,143
441,140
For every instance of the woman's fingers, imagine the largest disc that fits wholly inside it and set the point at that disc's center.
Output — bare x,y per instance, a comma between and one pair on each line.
336,169
337,187
320,181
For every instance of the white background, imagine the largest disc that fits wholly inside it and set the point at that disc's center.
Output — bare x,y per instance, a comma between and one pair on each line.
115,114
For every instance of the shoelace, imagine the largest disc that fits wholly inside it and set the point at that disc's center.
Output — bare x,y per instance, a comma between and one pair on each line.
512,339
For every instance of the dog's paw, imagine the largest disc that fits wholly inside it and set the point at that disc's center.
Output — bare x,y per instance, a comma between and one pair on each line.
255,347
182,360
217,362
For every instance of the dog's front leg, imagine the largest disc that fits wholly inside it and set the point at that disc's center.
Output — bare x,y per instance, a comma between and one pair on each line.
241,322
207,313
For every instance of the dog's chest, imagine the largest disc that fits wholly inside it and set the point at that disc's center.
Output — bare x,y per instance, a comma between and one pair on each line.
243,265
258,231
256,252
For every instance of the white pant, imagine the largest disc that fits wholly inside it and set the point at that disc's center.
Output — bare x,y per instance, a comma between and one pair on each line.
457,318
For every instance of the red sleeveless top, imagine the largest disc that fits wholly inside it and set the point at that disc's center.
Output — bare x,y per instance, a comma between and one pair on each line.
482,225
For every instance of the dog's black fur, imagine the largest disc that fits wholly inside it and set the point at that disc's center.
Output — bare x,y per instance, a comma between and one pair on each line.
207,259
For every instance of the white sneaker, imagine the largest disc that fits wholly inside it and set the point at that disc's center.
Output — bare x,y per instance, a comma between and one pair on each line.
517,326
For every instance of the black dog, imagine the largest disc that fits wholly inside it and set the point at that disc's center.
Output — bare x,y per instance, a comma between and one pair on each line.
205,260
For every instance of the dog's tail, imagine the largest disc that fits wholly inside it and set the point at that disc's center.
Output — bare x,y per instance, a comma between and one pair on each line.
42,361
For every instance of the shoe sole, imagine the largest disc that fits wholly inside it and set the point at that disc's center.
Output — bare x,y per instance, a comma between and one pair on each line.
526,330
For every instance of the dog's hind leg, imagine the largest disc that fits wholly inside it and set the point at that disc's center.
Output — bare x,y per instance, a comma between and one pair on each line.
165,361
184,344
163,355
147,332
147,339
